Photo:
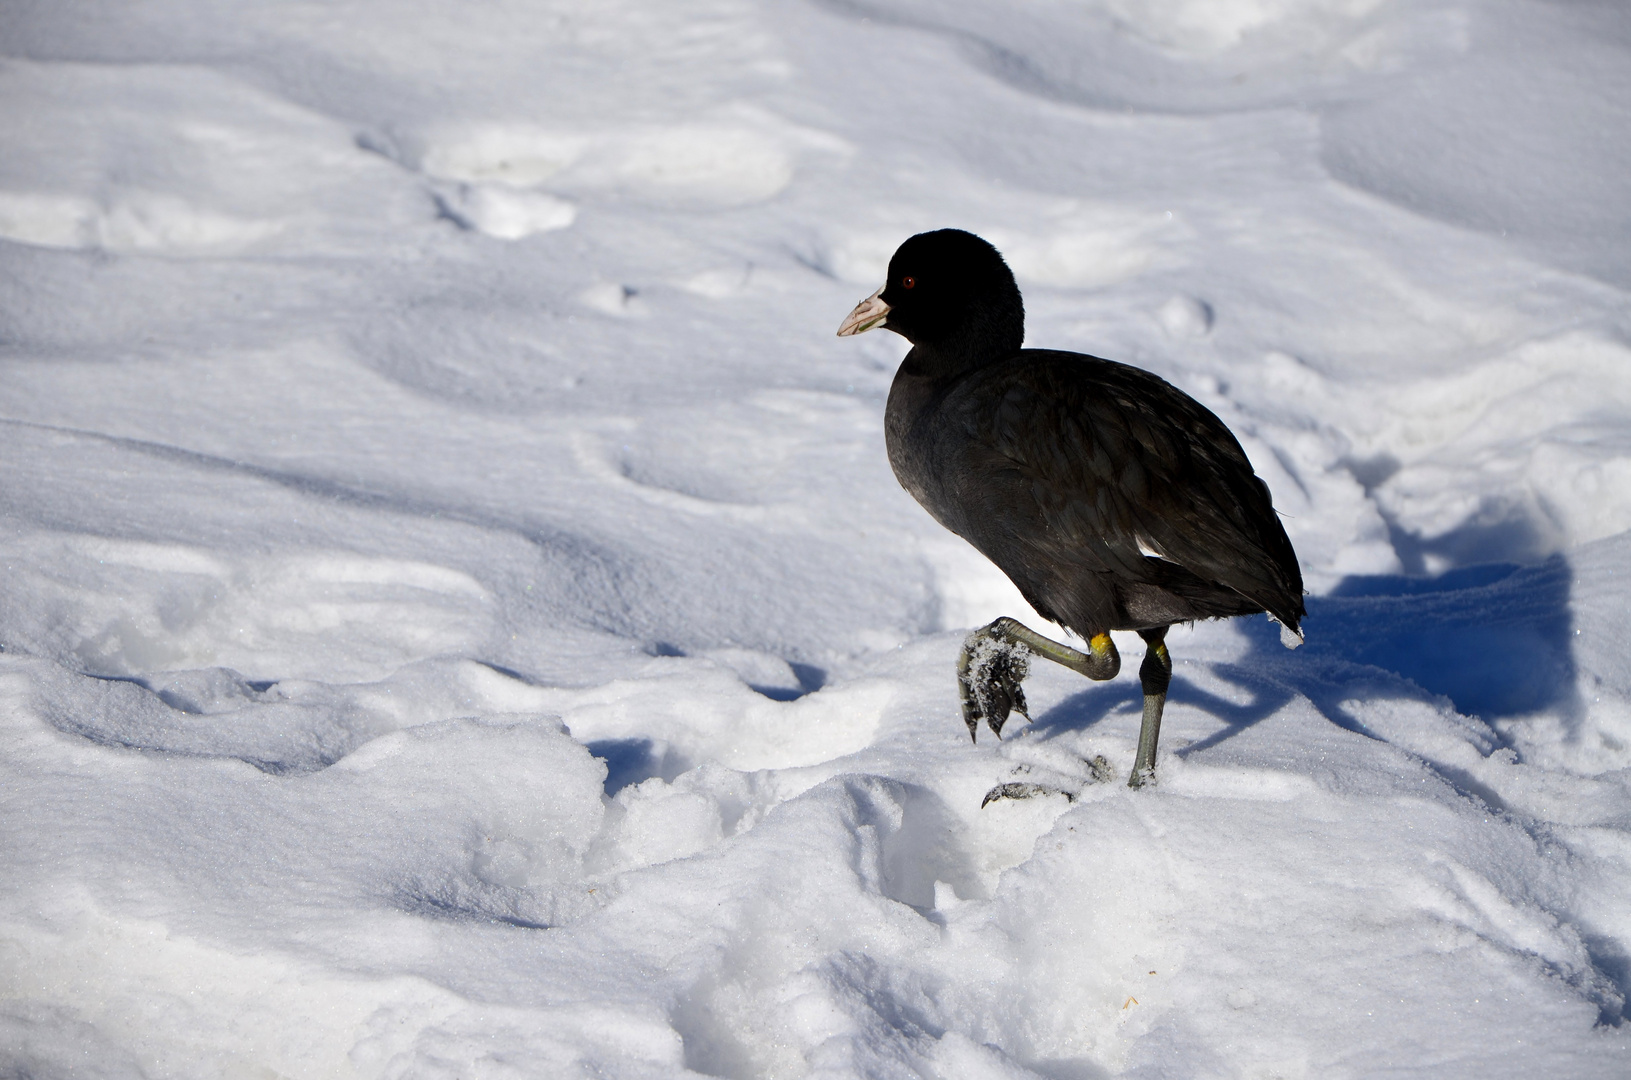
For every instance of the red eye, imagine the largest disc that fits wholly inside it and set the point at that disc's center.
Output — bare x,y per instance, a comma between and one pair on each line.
907,283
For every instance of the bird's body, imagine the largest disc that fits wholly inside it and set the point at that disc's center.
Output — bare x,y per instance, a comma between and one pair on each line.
1113,500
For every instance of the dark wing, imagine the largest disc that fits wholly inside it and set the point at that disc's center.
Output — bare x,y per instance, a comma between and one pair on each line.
1084,462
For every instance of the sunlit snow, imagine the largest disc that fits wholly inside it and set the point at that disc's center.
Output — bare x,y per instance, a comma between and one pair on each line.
459,620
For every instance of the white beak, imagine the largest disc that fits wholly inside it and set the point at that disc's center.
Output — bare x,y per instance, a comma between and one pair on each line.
869,313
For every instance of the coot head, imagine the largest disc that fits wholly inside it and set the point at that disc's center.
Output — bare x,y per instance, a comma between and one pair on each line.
946,289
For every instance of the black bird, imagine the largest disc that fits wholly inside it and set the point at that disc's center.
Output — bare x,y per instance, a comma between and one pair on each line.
1112,499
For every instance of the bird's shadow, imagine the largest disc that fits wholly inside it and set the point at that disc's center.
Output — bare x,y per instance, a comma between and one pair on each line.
1495,639
1266,696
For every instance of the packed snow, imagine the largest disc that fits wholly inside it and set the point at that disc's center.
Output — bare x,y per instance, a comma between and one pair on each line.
459,620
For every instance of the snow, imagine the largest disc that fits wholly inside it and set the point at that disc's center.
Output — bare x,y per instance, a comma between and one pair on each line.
459,620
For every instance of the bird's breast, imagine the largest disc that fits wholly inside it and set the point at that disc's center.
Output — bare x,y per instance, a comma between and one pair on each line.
911,435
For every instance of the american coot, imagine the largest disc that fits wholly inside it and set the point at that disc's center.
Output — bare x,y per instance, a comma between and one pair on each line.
1112,499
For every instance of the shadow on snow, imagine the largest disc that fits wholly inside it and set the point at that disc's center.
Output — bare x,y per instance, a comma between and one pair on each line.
1493,639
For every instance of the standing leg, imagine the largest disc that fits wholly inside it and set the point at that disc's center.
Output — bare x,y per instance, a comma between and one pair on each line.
1156,675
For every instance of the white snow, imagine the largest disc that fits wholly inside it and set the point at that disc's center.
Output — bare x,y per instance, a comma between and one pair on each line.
458,619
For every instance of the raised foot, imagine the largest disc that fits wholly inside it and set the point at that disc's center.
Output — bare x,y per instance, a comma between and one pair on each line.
989,674
996,658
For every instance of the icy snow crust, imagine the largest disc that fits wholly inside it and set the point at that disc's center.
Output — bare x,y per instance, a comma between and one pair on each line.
459,620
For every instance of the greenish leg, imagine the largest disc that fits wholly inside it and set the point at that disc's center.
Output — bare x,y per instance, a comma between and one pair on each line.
996,658
1156,675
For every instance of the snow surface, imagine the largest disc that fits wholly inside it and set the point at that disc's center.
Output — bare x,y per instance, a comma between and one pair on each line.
459,620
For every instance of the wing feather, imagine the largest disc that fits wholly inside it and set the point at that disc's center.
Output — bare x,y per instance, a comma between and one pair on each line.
1084,463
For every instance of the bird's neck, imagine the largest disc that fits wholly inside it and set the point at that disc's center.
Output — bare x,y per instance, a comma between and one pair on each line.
951,359
986,335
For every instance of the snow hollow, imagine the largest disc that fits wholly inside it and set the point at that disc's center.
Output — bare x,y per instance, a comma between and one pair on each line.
459,621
